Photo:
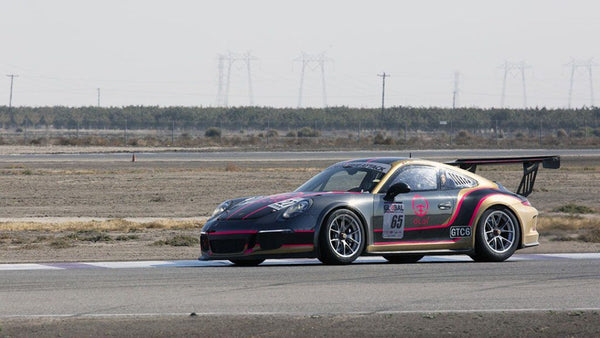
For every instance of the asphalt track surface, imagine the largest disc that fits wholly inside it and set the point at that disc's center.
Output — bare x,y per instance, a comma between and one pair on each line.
294,156
552,282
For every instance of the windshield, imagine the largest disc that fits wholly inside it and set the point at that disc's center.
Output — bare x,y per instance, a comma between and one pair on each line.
357,177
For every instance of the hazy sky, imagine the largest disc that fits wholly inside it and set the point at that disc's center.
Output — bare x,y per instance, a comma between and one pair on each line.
165,52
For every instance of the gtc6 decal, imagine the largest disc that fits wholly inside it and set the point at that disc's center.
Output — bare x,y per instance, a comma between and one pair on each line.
460,231
420,205
393,220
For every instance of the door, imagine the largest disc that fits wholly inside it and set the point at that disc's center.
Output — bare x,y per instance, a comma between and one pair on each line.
420,216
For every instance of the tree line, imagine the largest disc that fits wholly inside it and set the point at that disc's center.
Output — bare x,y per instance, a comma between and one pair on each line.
330,118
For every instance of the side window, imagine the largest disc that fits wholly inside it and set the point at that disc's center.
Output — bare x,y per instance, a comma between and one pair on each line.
418,178
453,180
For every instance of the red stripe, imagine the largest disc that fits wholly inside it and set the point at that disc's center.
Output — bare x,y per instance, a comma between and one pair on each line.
232,232
417,242
296,245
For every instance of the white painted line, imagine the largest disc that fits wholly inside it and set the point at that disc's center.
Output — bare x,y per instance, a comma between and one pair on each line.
271,262
27,266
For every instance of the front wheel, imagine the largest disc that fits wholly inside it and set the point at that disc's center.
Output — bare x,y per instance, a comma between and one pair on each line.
246,262
497,235
342,238
399,259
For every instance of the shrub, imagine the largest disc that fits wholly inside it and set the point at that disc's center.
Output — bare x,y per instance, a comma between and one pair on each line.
561,133
272,133
61,243
308,132
179,240
380,139
574,209
212,132
90,236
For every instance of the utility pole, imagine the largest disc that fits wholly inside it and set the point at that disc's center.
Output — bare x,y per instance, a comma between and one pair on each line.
317,61
383,76
512,68
455,91
586,65
98,90
12,78
230,59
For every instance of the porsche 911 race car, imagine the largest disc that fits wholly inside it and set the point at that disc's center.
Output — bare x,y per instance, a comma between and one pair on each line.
398,208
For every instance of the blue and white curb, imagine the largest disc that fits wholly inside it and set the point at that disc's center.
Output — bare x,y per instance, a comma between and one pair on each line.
200,264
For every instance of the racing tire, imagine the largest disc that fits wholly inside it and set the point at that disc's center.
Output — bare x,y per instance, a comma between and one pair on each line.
342,238
246,262
400,259
497,235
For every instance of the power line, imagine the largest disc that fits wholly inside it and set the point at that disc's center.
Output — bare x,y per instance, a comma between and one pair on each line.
319,61
12,78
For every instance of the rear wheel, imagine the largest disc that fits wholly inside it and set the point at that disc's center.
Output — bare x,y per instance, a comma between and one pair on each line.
403,258
497,235
246,262
342,238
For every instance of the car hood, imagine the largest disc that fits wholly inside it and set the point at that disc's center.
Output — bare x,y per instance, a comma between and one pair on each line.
259,206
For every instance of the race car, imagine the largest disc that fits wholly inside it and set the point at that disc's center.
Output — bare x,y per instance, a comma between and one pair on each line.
398,208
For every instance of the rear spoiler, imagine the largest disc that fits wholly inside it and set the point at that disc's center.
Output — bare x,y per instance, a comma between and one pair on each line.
530,167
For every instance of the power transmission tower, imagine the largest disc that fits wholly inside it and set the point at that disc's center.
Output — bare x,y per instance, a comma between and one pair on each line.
514,68
312,62
586,65
12,78
383,76
98,90
220,66
455,91
230,59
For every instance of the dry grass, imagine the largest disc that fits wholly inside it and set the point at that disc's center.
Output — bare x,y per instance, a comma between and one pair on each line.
108,225
232,167
569,223
571,228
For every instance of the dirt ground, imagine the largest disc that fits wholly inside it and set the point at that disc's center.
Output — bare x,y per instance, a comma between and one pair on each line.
42,191
467,324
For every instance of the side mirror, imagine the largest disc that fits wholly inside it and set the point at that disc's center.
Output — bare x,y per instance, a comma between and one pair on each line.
395,189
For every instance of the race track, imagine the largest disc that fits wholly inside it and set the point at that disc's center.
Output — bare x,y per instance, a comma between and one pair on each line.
300,287
294,156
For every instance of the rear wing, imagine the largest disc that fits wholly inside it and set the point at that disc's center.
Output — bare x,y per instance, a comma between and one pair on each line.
530,167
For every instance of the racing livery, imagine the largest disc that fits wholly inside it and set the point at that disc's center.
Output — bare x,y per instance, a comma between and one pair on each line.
399,208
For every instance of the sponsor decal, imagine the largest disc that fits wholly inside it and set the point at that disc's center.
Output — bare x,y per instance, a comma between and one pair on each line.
420,206
381,167
393,220
460,231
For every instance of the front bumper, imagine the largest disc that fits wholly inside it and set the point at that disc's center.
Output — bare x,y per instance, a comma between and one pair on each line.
256,244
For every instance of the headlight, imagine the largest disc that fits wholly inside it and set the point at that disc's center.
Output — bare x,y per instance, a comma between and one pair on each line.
297,208
221,208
